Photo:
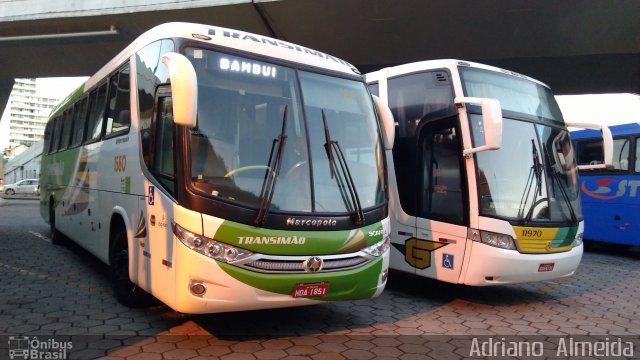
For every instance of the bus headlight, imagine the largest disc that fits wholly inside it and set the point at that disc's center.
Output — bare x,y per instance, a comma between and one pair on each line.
498,240
578,241
209,247
378,248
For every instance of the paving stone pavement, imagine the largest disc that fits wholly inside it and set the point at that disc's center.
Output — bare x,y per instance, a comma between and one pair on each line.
61,293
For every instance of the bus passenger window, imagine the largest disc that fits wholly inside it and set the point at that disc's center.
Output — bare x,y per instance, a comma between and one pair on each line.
589,152
67,125
80,121
47,137
621,154
73,111
58,133
94,126
55,134
119,116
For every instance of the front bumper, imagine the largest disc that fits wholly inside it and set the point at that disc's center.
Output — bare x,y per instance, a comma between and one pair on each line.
230,288
493,266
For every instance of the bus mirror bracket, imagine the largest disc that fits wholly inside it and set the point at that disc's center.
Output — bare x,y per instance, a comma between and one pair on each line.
607,144
491,123
387,122
184,89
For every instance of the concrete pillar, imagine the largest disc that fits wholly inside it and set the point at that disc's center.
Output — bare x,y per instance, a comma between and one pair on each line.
6,85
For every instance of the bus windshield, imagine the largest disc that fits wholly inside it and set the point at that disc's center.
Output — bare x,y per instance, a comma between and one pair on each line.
532,178
261,123
517,95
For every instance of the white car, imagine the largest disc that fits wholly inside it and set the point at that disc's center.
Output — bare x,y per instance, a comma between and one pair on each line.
26,186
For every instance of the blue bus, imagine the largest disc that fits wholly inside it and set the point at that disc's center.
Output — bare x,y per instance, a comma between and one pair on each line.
611,197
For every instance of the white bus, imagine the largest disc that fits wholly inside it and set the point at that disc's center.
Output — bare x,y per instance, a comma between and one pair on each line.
484,187
220,170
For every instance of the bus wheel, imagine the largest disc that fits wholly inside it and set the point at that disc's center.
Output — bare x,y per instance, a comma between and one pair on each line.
127,293
56,237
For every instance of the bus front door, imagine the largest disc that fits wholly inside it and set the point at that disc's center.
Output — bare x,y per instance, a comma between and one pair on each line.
441,225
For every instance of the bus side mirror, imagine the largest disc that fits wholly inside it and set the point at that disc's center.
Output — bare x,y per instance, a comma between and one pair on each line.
387,122
184,89
491,123
607,144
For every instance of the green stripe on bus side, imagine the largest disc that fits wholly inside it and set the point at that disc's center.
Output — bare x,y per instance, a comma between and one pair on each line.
360,283
293,242
57,171
564,236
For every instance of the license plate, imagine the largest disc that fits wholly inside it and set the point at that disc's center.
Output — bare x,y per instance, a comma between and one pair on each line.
545,267
310,290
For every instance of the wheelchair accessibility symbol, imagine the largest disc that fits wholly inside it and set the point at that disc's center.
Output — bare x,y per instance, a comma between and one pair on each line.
447,261
152,194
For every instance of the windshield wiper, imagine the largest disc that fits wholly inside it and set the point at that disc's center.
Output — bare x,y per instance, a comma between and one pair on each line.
536,169
273,169
329,146
556,177
563,190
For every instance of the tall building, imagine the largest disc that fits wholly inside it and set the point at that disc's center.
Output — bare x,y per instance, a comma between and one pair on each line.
26,113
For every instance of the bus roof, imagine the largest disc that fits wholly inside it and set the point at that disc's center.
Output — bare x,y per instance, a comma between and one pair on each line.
616,130
440,64
230,38
234,39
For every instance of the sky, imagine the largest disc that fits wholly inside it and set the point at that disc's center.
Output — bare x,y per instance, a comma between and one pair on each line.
57,88
609,109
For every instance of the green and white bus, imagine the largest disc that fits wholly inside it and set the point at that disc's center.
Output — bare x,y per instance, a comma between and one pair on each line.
483,179
220,170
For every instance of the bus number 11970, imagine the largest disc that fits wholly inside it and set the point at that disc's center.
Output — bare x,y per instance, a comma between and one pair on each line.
531,233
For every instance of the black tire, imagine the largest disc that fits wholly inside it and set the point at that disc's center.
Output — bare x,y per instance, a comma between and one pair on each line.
10,192
56,237
127,293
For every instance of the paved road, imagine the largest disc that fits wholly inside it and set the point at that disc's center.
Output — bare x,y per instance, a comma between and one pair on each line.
58,293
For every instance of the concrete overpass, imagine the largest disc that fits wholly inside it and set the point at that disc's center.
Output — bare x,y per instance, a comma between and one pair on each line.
575,46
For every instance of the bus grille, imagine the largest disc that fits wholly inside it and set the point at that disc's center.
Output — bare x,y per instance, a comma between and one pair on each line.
291,266
541,246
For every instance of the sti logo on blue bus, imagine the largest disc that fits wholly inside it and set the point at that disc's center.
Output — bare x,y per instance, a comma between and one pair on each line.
608,189
152,191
